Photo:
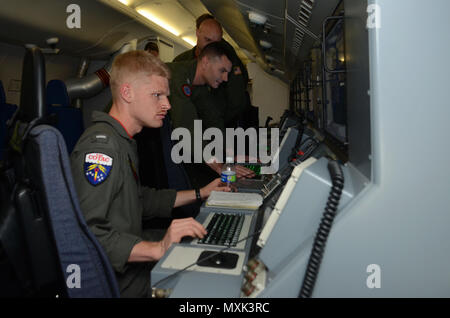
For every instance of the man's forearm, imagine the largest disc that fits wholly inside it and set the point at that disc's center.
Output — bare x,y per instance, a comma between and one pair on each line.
187,197
146,252
217,167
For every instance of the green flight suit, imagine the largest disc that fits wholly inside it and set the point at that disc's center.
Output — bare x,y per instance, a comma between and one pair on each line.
186,56
185,109
235,89
113,202
191,102
229,99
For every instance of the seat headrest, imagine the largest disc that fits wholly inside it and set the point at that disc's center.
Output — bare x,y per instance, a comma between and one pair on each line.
32,95
2,94
57,94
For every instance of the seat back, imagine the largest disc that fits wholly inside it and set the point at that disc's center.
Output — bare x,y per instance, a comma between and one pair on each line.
69,120
44,240
6,112
25,236
85,265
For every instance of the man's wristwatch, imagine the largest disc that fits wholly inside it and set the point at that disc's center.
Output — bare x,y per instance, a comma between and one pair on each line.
198,196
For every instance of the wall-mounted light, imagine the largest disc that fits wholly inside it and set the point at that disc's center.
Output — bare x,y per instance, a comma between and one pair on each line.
158,21
125,2
257,18
265,44
270,58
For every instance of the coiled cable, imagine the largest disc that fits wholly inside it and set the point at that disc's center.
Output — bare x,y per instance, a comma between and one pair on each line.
318,248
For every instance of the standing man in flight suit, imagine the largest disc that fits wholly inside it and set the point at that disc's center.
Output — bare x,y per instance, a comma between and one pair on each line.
105,171
210,68
231,98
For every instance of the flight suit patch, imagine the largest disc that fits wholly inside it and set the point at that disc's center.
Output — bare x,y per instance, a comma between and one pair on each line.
237,70
97,167
186,90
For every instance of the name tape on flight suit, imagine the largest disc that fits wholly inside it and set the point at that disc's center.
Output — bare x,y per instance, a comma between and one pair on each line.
97,167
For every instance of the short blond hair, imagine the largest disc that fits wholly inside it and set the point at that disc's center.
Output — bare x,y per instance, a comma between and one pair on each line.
130,64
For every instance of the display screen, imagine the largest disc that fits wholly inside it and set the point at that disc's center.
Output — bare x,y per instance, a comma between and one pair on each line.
335,109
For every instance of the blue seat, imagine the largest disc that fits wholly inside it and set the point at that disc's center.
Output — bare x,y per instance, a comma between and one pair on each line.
69,120
46,248
78,250
6,113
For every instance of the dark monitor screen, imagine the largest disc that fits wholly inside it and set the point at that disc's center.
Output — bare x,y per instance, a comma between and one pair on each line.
335,108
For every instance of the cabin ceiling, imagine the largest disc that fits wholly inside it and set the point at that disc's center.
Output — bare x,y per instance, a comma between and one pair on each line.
107,24
33,22
290,43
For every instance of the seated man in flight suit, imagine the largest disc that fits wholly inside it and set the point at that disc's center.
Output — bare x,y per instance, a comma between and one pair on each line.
105,171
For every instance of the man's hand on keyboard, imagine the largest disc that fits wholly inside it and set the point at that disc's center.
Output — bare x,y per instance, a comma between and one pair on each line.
180,228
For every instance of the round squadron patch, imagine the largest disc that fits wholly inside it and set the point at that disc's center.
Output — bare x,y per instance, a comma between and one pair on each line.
97,167
186,90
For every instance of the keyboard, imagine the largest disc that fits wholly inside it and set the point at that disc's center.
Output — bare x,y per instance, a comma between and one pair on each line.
264,187
223,229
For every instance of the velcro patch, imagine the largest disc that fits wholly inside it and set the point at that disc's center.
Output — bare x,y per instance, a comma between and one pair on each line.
97,167
99,138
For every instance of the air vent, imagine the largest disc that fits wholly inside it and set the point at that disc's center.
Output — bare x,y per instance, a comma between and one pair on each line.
304,14
308,4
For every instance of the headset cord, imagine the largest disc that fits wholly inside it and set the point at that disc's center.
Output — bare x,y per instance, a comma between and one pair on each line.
318,248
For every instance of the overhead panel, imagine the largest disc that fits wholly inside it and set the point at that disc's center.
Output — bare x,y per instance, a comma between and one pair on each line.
172,16
302,11
312,13
35,21
291,27
232,20
270,32
105,24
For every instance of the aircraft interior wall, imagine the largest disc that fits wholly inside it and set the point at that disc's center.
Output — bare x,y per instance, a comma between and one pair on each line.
168,50
11,60
269,93
98,102
63,67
